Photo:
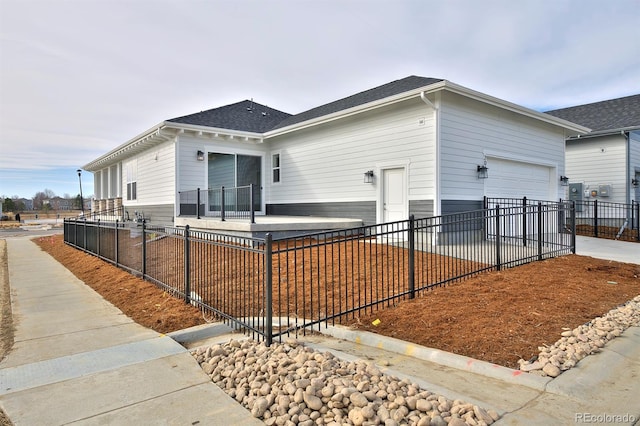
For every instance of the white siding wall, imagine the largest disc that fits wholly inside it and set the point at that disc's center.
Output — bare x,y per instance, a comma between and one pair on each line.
193,173
327,163
156,176
470,130
596,161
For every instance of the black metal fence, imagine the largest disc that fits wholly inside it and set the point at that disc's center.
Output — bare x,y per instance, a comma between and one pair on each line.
594,218
112,214
602,219
237,202
270,288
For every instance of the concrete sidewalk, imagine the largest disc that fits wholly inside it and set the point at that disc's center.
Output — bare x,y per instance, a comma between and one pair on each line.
77,359
601,248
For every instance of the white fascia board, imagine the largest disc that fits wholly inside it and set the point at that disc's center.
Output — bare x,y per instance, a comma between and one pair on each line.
155,133
608,132
441,85
99,162
351,111
500,103
211,130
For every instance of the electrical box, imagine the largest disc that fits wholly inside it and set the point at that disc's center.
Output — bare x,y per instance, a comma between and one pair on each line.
575,194
604,190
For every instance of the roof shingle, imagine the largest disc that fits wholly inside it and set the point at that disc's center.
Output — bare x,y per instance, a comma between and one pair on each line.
386,90
250,116
613,114
247,116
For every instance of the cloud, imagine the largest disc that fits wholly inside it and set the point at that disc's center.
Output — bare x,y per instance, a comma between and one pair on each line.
79,78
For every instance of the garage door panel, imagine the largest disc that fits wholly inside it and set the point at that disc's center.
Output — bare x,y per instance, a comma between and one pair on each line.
516,179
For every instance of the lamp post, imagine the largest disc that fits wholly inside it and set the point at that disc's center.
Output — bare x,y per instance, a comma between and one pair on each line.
81,198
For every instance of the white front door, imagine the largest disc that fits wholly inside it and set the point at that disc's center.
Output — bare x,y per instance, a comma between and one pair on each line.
394,197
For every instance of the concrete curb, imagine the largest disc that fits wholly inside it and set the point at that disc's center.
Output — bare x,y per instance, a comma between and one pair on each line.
199,333
448,359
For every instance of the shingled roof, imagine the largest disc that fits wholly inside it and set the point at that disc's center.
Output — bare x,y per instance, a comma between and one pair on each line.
393,88
250,116
614,114
247,116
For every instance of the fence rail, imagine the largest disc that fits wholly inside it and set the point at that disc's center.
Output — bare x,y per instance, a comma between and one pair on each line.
271,288
112,214
594,218
237,202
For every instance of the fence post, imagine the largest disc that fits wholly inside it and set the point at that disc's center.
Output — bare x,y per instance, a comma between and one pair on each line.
116,248
268,264
144,250
573,226
540,234
524,221
198,204
84,234
187,263
98,238
498,244
222,203
412,254
595,218
251,210
637,220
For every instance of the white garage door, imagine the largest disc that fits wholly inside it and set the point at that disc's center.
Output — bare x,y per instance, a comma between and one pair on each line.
515,179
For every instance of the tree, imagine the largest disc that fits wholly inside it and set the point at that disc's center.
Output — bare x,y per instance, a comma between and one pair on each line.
77,203
19,204
8,205
38,199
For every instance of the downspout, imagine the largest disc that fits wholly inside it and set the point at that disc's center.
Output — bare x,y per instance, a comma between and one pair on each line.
435,106
627,181
176,179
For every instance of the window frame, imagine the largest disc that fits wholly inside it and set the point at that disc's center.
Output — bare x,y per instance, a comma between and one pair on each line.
278,168
132,180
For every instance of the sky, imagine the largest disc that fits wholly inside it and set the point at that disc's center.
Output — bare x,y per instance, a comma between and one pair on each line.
81,77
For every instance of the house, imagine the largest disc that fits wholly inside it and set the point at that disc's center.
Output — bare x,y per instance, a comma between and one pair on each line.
417,145
59,203
604,164
26,202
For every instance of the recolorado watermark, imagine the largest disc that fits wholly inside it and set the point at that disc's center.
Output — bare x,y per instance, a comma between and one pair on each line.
604,418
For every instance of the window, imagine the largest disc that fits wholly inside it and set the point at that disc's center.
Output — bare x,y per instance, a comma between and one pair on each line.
132,180
236,170
275,167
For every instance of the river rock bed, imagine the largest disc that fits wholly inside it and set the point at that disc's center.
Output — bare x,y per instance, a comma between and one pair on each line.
291,384
584,340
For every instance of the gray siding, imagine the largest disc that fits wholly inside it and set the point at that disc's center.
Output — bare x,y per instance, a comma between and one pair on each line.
421,208
154,214
364,210
459,206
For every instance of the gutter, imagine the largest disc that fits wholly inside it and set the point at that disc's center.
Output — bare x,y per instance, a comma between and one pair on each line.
156,131
607,132
455,88
421,92
436,110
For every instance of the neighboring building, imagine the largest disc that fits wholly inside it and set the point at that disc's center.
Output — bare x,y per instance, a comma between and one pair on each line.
412,146
59,203
27,202
605,163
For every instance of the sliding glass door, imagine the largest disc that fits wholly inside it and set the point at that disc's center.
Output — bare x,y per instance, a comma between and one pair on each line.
234,172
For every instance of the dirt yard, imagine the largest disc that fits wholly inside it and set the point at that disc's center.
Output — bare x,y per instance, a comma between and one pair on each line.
498,317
